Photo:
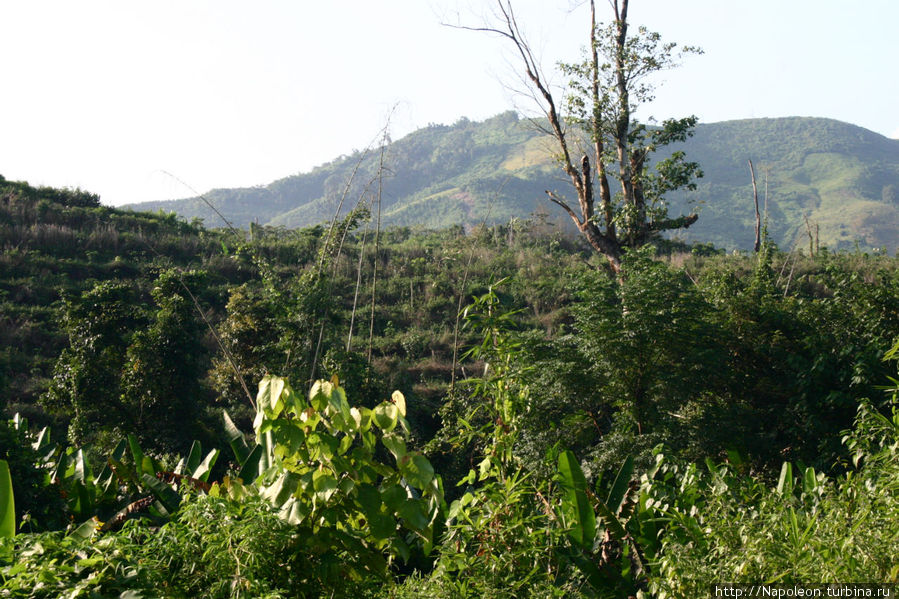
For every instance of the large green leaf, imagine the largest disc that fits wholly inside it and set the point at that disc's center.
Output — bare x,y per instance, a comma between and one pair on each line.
269,397
138,454
81,500
618,493
399,400
281,491
86,529
164,493
43,440
385,416
82,469
611,522
202,470
337,401
395,443
785,482
575,503
417,470
236,439
393,496
250,469
809,480
294,511
7,503
381,524
193,458
414,514
325,486
107,477
319,394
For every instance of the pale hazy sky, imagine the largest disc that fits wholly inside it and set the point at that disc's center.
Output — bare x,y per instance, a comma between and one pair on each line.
107,95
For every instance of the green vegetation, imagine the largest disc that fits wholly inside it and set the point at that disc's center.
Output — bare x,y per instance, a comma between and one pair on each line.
842,177
700,417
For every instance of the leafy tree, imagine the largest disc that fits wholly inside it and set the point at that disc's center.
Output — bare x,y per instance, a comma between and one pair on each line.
85,384
250,335
653,342
604,91
161,390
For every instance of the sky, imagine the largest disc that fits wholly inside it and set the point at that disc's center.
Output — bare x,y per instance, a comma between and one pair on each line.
140,101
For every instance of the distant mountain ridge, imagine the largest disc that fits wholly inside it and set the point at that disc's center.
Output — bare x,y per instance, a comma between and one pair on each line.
842,179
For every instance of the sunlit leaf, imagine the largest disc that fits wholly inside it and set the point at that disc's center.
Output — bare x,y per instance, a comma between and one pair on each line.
325,486
202,470
194,456
7,503
269,396
395,444
385,416
417,470
399,401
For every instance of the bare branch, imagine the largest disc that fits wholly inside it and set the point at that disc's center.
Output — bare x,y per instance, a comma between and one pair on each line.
556,200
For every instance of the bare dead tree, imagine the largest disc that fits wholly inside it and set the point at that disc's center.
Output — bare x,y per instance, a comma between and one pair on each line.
812,237
758,215
603,91
374,274
349,336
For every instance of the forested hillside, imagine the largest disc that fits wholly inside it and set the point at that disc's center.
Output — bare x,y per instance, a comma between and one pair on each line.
842,178
518,419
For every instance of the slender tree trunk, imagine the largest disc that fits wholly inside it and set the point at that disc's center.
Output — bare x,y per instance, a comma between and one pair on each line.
758,216
374,274
349,337
605,191
622,122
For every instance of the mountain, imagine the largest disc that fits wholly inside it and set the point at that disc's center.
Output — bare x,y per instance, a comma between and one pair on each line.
842,179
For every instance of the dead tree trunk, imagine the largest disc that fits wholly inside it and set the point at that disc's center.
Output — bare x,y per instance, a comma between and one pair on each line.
758,215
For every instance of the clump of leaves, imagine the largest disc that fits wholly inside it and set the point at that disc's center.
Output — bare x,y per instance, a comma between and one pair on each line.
724,525
343,476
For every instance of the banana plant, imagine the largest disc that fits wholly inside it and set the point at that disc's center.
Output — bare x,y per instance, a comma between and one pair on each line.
602,545
127,474
142,476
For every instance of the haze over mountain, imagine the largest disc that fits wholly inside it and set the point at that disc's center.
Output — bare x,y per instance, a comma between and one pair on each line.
842,178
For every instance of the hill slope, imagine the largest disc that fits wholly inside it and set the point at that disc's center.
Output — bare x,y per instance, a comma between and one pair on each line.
843,178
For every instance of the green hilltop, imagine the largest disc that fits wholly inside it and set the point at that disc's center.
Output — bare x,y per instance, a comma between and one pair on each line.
842,179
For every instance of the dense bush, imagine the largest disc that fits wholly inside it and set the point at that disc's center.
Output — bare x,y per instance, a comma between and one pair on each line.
596,435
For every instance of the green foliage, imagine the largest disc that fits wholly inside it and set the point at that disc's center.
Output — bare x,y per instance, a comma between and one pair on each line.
86,376
38,504
317,461
55,565
807,528
494,529
604,90
836,174
7,503
160,390
213,547
500,541
218,547
749,360
613,562
651,338
323,512
250,334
